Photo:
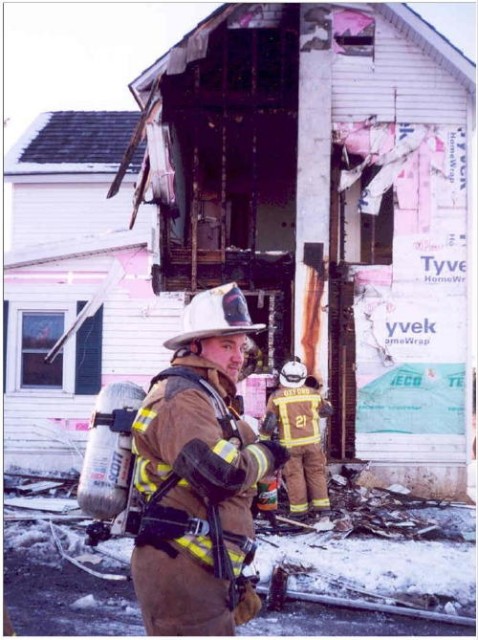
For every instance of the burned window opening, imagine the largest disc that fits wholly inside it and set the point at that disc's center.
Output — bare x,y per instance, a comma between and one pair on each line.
377,230
354,40
357,40
356,237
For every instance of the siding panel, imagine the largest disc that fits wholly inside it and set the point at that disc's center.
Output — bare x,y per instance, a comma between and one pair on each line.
50,212
396,85
415,448
39,427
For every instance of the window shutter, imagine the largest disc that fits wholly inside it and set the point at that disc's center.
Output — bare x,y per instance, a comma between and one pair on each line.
5,340
88,353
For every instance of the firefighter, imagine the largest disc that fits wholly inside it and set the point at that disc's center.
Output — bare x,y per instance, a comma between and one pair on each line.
197,467
294,410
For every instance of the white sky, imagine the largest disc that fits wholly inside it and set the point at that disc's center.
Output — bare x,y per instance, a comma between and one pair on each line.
82,56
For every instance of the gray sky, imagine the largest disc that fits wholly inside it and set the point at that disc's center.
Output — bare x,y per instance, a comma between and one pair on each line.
83,55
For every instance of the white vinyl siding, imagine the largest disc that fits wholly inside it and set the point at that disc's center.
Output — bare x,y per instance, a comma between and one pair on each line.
399,84
46,212
401,448
134,329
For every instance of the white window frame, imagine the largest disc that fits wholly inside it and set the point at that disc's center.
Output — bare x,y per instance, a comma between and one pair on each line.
14,349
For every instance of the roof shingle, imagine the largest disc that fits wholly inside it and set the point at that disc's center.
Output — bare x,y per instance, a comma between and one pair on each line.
89,137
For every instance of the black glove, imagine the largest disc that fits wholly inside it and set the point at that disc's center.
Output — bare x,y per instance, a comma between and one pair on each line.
279,453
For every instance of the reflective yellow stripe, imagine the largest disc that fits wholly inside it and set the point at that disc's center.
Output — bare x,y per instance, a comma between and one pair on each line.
163,468
261,459
201,547
142,481
321,502
226,450
264,438
297,442
298,508
143,419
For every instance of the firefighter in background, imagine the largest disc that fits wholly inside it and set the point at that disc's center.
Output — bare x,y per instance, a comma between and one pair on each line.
294,409
197,465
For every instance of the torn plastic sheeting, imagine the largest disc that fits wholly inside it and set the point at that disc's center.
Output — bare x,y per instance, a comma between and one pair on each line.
348,22
379,145
361,138
392,164
350,177
352,21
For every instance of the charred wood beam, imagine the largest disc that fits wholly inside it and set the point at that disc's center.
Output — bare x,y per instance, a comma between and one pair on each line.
195,198
135,140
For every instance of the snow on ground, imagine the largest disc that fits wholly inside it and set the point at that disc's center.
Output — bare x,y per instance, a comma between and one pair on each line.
319,562
391,568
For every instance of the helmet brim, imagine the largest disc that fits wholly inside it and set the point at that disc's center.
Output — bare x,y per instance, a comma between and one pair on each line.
288,383
183,339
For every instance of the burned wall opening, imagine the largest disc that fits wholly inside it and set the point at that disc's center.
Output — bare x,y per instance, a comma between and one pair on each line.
232,123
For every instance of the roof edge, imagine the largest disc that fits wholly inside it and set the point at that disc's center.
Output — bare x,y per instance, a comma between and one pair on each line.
406,16
78,246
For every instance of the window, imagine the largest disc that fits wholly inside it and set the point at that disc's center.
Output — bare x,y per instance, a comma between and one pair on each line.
40,331
31,332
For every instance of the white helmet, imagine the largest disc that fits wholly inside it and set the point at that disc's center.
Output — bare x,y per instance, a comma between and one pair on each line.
221,311
293,374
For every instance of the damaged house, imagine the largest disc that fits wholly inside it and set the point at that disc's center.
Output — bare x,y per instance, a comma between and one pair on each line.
319,155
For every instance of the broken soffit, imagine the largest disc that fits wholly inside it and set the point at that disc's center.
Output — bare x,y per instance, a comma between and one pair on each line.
192,47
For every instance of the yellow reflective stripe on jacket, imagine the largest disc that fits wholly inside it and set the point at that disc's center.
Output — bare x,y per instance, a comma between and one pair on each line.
297,442
261,459
141,480
226,450
143,419
201,548
287,439
163,470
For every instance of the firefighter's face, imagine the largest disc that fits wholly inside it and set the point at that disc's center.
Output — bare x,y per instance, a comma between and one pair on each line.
227,352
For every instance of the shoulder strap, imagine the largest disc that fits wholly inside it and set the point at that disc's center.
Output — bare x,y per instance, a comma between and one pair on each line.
183,372
224,417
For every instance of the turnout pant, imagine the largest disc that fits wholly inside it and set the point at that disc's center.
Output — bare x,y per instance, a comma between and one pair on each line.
306,478
178,597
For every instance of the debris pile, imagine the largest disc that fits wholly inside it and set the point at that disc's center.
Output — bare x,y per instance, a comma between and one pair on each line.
392,513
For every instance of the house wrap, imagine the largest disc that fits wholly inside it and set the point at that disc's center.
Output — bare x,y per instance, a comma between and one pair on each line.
319,155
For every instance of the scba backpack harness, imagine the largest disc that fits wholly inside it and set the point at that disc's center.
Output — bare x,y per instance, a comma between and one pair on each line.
160,524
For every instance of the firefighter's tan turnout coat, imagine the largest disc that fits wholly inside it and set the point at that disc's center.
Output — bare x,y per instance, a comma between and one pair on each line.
180,595
298,411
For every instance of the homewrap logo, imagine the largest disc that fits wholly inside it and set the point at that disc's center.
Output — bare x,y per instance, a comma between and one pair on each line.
410,332
457,158
437,271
